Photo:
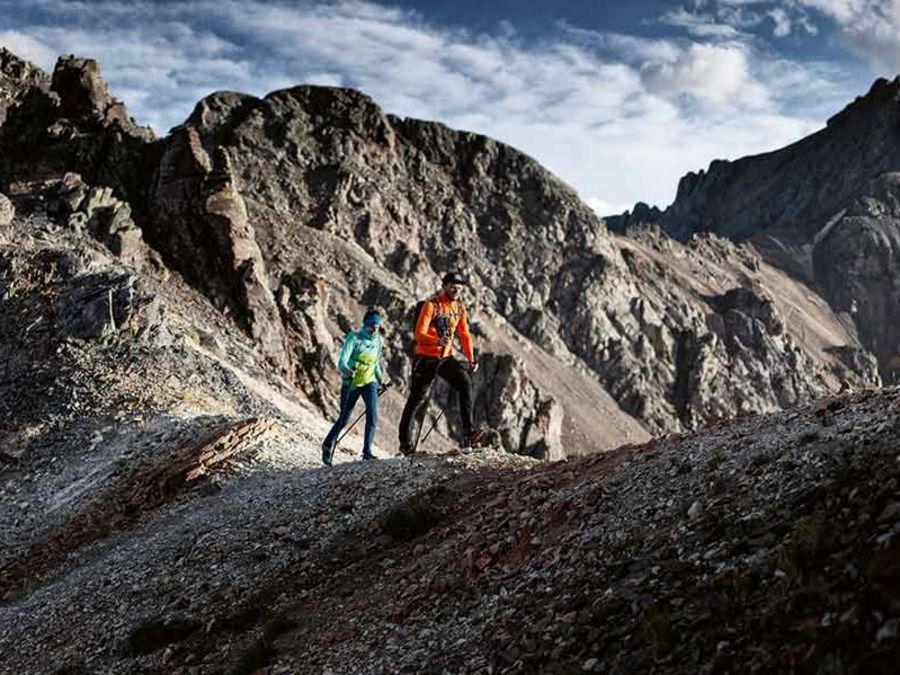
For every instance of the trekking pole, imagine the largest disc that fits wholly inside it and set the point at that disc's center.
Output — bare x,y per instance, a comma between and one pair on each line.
347,430
433,425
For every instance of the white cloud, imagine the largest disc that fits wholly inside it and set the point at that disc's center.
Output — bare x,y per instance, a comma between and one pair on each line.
870,27
782,22
714,74
699,24
739,17
619,117
26,47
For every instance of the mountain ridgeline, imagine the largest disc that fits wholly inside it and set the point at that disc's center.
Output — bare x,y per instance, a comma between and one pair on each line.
288,212
824,209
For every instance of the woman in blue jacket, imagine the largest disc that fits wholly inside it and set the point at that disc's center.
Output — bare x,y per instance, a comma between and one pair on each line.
360,366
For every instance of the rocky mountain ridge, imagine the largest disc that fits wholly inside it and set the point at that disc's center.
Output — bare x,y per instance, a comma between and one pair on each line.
824,209
235,199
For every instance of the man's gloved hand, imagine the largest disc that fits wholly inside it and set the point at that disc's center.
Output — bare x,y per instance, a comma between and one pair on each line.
473,366
444,340
350,372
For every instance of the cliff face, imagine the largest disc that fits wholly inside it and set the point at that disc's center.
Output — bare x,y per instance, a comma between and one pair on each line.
824,209
291,212
321,164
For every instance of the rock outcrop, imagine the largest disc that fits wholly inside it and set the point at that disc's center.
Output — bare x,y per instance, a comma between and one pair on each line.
73,125
7,210
17,77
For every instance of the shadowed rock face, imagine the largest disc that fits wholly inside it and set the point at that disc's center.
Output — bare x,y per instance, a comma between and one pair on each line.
16,78
824,209
292,211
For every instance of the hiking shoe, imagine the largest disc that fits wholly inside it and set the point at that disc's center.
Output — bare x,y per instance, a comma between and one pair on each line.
407,451
484,437
369,456
477,438
327,455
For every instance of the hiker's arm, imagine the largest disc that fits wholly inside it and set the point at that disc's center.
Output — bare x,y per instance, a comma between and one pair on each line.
465,337
346,352
423,324
378,370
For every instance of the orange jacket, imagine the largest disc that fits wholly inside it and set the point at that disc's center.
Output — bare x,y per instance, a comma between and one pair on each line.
433,310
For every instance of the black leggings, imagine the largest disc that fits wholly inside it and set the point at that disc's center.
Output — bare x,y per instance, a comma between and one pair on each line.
424,370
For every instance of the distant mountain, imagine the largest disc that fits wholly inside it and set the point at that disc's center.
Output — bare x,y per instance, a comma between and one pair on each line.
825,209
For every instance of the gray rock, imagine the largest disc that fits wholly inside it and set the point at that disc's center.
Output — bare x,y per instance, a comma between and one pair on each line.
7,211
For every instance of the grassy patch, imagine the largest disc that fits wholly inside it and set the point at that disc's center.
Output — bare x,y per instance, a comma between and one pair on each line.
154,634
760,459
278,626
715,460
411,519
258,656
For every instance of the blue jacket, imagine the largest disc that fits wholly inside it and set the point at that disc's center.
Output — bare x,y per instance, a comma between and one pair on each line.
361,349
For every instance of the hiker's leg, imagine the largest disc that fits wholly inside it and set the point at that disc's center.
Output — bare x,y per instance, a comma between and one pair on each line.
348,399
458,377
422,375
370,398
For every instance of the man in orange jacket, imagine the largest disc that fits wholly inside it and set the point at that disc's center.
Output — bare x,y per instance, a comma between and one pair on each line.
442,316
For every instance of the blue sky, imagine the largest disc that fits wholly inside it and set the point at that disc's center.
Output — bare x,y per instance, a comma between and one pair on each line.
617,98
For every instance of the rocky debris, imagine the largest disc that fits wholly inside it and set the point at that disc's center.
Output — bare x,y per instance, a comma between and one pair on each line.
120,507
754,543
824,209
96,211
7,211
676,556
680,357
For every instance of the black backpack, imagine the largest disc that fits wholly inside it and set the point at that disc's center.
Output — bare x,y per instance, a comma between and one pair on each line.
417,310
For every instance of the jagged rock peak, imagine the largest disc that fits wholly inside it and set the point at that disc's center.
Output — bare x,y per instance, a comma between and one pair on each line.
84,94
881,91
17,76
641,215
13,69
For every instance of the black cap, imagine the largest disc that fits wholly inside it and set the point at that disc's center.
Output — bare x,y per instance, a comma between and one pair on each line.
455,278
372,318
